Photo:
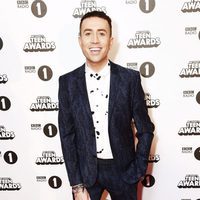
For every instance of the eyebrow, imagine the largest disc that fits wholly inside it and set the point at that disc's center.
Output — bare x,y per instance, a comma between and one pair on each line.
88,29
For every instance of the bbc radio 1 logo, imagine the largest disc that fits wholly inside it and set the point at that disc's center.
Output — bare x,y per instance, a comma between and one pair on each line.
191,6
143,39
190,30
44,103
44,72
197,153
1,43
22,4
188,93
5,103
39,8
6,135
187,150
10,157
147,69
132,65
192,128
49,158
38,43
148,181
50,130
36,127
87,6
131,1
198,97
7,184
151,103
192,70
147,6
191,181
54,182
3,78
191,93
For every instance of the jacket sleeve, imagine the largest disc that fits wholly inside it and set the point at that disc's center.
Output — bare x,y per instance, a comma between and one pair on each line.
144,126
68,133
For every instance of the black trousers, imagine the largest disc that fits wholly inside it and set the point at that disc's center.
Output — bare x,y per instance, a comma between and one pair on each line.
109,179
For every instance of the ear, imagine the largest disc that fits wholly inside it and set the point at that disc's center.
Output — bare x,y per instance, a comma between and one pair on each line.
79,41
111,41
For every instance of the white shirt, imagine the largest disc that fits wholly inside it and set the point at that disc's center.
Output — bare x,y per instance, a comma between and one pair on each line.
98,87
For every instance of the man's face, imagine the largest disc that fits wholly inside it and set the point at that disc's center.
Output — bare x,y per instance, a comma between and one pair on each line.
95,40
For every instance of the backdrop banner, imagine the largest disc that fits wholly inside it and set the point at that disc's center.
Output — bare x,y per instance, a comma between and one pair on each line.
39,42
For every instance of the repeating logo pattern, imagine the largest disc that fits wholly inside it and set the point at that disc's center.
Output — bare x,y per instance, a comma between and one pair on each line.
7,184
45,73
49,158
148,181
147,69
10,157
198,97
190,181
38,43
151,103
87,6
193,70
6,135
143,39
22,3
55,182
1,43
3,78
191,6
5,103
147,6
44,103
197,153
192,128
39,8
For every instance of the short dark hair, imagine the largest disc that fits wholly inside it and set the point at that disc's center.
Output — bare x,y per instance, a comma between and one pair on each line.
99,14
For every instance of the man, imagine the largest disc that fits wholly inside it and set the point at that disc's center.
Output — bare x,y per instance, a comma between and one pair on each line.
97,104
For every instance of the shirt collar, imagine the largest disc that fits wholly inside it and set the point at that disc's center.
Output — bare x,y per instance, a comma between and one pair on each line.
104,71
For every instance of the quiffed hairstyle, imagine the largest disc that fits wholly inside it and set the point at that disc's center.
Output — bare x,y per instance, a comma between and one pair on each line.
99,14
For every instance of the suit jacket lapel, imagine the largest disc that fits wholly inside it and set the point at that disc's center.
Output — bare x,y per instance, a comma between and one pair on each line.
83,92
114,83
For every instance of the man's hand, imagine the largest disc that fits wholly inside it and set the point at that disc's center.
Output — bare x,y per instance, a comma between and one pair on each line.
82,195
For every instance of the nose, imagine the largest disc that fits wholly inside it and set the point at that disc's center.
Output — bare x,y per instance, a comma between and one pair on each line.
95,38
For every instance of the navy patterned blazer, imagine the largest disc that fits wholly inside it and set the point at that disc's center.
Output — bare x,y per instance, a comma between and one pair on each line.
126,103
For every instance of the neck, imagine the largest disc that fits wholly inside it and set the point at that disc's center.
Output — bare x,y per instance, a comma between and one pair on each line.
96,67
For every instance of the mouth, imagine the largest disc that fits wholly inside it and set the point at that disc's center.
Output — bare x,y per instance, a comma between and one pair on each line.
95,49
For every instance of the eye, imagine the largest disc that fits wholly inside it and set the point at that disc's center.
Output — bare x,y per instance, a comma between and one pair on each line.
87,33
102,33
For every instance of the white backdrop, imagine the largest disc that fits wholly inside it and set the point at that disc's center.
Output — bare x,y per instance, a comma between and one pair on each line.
39,42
